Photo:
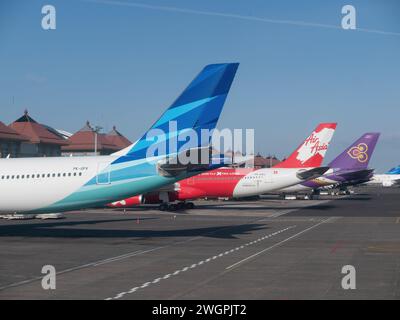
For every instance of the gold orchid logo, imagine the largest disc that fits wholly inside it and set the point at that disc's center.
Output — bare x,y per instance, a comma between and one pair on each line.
359,152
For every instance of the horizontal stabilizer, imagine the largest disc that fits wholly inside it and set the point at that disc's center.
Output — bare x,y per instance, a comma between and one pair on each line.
312,173
194,160
355,174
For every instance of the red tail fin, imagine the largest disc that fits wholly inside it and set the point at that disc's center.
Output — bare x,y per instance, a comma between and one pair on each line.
312,151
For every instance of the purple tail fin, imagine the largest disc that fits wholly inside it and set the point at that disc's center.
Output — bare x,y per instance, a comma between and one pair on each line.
357,156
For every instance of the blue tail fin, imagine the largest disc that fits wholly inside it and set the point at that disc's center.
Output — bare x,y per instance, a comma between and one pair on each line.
197,108
395,170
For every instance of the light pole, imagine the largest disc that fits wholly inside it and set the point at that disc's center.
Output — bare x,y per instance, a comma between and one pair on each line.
96,132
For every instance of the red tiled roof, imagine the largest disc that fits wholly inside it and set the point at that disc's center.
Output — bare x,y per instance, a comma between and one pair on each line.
7,133
35,132
261,161
116,138
84,140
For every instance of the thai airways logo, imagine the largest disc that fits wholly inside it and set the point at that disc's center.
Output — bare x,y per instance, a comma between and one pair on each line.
316,143
359,152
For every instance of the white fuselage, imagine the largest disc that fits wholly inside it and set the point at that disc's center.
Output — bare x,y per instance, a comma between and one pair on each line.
322,181
67,183
385,180
266,180
31,183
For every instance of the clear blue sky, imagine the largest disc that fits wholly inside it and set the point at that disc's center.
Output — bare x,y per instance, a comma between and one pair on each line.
123,65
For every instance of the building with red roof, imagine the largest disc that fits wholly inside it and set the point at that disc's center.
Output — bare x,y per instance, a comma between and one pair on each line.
116,138
10,141
42,141
264,162
83,143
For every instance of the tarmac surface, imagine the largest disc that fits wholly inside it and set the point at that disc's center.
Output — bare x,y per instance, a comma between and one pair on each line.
266,249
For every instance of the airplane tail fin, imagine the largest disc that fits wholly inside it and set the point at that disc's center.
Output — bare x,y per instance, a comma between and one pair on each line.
312,151
357,155
197,108
395,170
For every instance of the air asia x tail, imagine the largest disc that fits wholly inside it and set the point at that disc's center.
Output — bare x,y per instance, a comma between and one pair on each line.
349,168
62,184
302,165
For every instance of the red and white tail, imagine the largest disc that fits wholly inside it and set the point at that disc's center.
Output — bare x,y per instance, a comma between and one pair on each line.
312,151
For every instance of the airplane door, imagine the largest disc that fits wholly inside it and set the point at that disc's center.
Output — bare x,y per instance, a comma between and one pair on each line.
268,178
103,173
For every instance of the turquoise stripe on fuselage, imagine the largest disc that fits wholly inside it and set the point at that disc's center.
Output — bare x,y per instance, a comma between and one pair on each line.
98,195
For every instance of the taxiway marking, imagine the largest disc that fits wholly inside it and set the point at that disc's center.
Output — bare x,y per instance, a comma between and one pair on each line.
91,264
167,276
277,244
116,258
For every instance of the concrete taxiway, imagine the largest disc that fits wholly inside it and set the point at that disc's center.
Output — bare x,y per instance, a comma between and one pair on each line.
267,249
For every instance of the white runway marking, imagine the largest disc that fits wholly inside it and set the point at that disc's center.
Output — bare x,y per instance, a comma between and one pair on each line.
277,244
91,264
110,260
121,294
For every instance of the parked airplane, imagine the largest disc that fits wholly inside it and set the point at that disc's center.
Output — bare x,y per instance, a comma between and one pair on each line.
69,183
349,168
302,165
388,179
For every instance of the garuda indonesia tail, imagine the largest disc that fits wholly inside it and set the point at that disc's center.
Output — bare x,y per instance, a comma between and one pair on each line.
62,184
197,108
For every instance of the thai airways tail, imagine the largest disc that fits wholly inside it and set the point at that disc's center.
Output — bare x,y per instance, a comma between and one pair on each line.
357,155
311,151
197,108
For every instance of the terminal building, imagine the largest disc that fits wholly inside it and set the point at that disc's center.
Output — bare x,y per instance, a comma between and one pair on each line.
258,161
10,142
43,141
88,142
25,137
265,162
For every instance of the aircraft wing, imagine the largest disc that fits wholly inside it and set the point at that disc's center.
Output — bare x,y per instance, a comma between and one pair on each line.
312,173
